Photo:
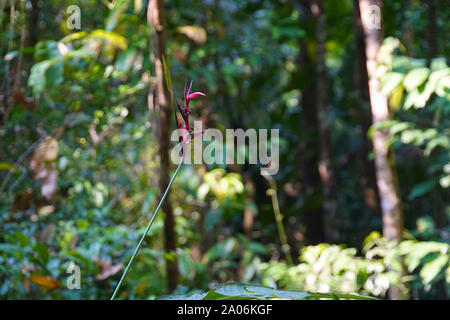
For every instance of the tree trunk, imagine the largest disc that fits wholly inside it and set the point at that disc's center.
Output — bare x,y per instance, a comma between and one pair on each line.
408,30
34,22
384,157
155,17
308,153
326,170
432,30
368,178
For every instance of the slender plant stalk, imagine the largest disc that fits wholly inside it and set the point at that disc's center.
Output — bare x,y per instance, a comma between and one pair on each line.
279,219
148,227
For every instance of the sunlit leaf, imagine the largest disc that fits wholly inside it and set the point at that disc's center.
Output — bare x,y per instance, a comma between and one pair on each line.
395,100
113,38
431,269
415,78
5,166
74,36
390,82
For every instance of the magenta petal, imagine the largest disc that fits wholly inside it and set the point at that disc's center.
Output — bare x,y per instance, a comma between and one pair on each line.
195,95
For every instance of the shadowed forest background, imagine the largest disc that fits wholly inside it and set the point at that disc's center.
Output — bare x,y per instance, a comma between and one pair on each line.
360,203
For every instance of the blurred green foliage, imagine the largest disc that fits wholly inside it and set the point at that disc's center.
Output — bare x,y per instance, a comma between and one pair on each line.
332,268
89,89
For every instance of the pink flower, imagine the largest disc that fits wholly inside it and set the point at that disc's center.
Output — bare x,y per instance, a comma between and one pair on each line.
185,112
195,95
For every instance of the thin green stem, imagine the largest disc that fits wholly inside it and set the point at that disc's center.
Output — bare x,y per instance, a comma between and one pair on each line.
279,219
148,227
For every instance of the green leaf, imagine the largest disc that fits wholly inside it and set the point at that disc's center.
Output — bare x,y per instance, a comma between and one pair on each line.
21,239
9,248
288,32
47,73
42,252
415,78
438,63
431,269
73,36
423,188
221,249
438,141
113,38
37,76
390,82
399,127
119,7
54,74
396,97
254,292
168,79
5,166
380,126
410,99
77,118
46,50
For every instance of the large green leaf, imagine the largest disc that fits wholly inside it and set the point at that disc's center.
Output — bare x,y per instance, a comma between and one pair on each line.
431,269
37,76
415,78
45,74
255,292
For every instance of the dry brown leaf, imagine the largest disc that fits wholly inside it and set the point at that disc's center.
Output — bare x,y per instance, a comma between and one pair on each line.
108,272
197,34
46,282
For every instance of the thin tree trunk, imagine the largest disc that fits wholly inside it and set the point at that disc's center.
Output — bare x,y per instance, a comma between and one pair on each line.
408,31
155,17
384,158
34,22
308,153
433,31
326,170
368,178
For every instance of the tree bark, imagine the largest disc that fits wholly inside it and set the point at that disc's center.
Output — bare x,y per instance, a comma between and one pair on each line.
384,158
360,79
433,31
156,19
308,155
408,30
326,169
34,22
